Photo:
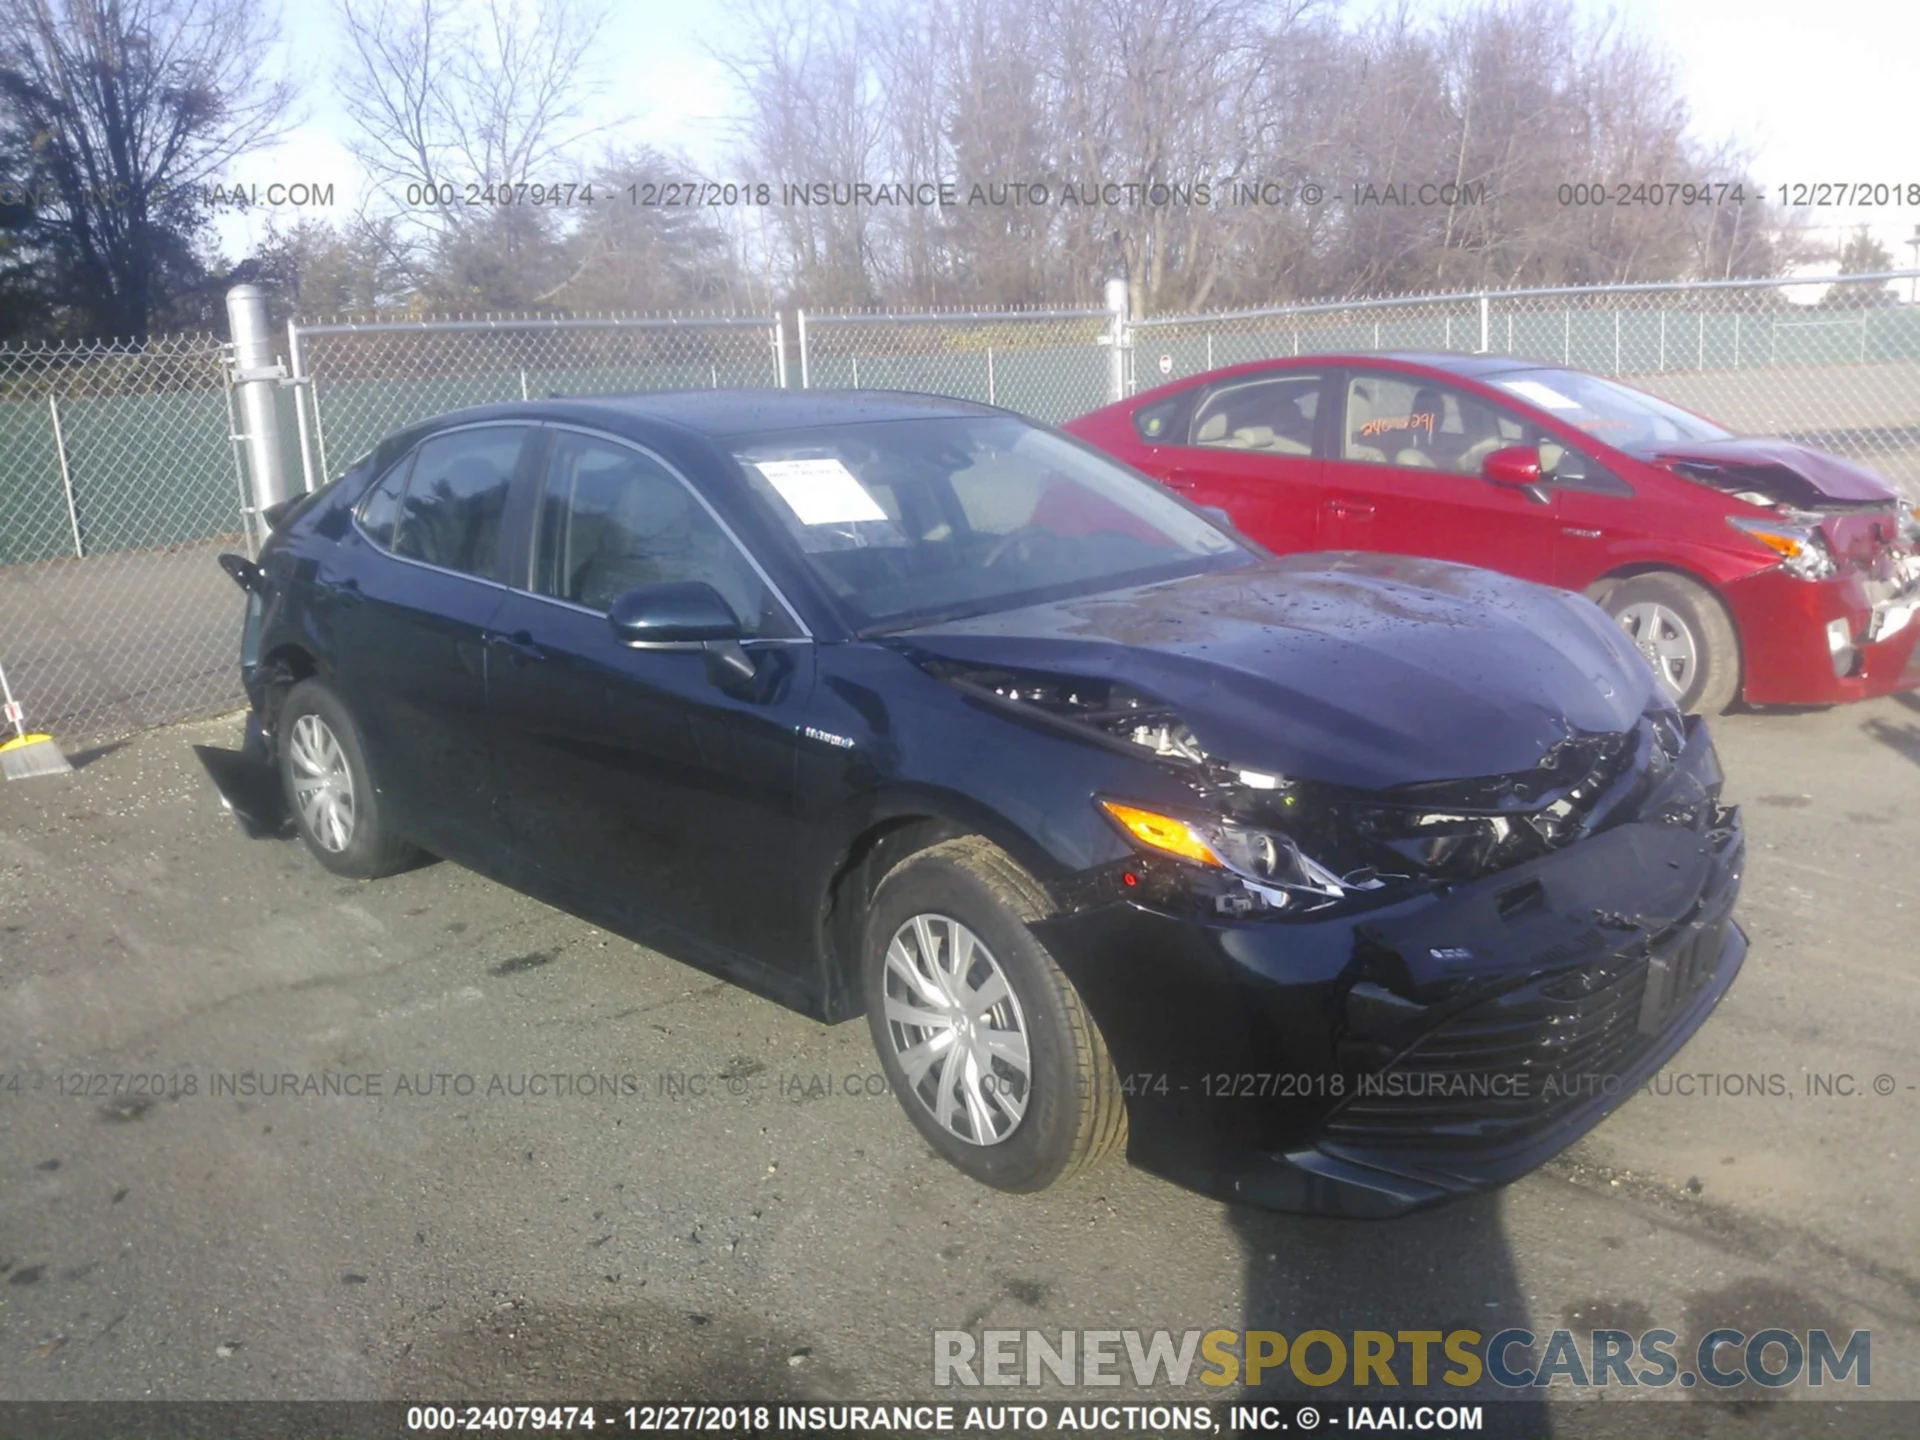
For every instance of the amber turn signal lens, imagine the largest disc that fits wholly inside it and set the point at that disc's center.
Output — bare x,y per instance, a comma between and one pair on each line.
1162,832
1787,545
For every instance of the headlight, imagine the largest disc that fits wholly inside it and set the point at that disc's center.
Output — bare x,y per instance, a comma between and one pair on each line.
1802,550
1274,869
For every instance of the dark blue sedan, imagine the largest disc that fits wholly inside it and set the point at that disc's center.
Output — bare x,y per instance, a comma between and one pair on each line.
1339,882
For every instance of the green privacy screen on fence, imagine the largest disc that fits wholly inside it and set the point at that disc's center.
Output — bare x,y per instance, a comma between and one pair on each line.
104,450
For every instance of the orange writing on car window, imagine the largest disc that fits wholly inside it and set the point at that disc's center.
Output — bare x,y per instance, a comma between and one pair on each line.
1380,425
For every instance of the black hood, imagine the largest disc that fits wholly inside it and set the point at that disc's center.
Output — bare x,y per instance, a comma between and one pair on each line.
1351,669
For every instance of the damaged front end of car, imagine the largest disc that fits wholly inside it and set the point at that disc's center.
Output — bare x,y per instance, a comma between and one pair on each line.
1827,519
1257,843
1414,991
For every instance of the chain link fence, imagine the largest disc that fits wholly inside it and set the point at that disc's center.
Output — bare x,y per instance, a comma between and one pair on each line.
1050,364
369,380
119,479
119,485
1834,364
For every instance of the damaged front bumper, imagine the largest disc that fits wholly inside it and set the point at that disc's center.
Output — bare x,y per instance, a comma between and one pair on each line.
1853,636
1377,1063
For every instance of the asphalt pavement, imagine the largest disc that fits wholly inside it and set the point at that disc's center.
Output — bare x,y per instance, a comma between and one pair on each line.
590,1170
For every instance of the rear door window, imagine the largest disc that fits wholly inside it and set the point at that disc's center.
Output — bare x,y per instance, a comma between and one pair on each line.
1270,413
456,499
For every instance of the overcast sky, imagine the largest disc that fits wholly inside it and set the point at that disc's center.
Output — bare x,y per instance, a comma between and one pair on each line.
1816,93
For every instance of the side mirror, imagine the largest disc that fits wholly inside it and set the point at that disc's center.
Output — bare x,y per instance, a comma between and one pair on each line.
1518,468
243,572
688,615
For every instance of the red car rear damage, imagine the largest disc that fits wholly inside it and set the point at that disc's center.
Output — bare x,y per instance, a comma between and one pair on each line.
1743,567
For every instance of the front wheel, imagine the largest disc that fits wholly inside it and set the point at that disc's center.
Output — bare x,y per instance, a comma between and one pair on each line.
984,1040
330,790
1684,633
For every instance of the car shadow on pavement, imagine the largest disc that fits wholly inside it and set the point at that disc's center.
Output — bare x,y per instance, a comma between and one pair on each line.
1441,1271
1901,737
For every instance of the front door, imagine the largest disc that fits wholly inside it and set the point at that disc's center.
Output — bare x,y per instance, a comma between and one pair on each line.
633,780
1405,479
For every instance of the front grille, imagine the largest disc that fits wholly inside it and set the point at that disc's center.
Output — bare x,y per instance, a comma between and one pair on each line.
1511,1065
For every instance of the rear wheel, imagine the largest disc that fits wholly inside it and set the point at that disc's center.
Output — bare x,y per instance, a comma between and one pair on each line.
330,790
1684,633
984,1040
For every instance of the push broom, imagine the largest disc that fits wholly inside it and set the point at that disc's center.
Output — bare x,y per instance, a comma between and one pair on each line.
25,756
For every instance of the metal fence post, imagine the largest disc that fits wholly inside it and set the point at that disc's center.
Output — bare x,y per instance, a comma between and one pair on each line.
299,381
1485,319
780,349
1117,335
805,384
257,375
66,478
990,375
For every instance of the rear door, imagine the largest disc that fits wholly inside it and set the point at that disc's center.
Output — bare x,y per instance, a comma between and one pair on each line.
633,782
1251,447
408,594
1404,478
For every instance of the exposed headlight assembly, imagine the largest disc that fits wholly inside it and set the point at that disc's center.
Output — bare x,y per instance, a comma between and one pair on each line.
1273,870
1802,549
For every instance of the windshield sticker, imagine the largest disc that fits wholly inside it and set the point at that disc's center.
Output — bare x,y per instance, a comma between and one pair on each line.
1421,421
821,492
1545,396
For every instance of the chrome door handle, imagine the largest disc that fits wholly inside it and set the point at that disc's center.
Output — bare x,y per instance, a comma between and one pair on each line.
1578,533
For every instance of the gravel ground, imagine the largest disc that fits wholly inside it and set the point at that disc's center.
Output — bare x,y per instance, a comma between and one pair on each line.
742,1225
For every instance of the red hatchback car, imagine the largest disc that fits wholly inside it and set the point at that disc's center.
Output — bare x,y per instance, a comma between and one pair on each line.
1743,568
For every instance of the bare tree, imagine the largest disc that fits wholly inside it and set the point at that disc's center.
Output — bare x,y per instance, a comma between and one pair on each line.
646,257
812,117
119,112
438,99
1399,151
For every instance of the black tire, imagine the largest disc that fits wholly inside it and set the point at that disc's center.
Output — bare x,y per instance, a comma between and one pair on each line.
371,849
1715,683
1073,1111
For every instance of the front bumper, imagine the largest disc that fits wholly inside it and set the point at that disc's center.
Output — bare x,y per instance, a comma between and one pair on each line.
1372,1065
1783,624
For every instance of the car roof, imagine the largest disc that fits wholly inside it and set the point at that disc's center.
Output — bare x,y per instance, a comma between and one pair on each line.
719,414
1451,361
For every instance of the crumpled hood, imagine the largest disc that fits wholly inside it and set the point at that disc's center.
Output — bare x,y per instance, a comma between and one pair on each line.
1352,669
1811,475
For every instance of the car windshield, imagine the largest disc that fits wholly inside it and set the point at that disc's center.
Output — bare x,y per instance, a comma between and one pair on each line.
913,521
1615,414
